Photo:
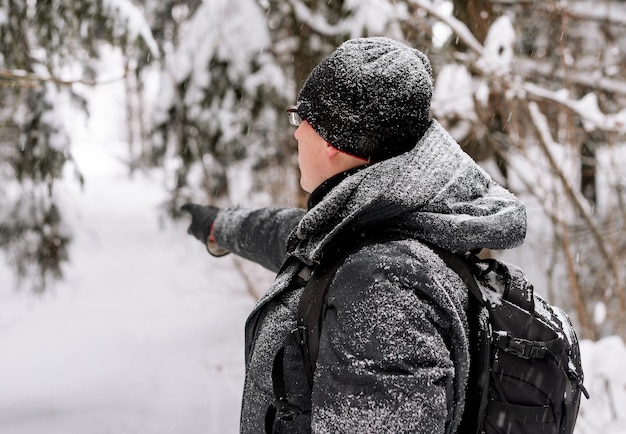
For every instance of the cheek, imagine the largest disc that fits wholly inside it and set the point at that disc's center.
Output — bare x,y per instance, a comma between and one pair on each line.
302,157
300,152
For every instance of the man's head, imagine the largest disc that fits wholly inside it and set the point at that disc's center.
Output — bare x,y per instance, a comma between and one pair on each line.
370,98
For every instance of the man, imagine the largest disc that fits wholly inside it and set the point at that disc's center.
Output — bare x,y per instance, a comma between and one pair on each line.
393,350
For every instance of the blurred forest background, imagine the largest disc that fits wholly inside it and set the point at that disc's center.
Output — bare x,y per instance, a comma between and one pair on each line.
533,91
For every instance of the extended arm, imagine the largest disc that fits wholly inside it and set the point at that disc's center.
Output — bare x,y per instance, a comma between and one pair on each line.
259,235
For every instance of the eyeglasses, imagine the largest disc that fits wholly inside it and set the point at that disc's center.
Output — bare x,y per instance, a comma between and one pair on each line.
294,117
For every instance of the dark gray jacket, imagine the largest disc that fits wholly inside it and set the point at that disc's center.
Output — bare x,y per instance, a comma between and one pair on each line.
393,348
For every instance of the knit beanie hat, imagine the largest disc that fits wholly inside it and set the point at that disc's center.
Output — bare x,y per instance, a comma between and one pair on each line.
370,98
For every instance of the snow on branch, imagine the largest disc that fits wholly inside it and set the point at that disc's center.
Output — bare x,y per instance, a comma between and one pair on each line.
611,12
498,54
593,79
316,22
587,108
135,21
20,78
541,125
457,26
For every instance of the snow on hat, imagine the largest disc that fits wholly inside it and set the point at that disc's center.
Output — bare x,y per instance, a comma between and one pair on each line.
370,98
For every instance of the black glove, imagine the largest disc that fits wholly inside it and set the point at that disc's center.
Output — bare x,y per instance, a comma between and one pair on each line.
202,218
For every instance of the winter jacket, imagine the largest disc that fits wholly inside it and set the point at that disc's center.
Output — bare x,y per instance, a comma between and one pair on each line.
393,353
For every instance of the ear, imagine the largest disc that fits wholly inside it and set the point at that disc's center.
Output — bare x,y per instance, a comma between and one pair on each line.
331,151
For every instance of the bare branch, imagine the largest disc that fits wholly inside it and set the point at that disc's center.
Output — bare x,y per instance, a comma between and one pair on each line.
592,79
27,79
545,139
457,26
589,328
586,107
579,302
316,21
238,263
601,11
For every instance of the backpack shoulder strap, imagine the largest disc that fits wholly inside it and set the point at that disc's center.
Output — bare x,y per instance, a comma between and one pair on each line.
460,267
312,304
306,335
479,342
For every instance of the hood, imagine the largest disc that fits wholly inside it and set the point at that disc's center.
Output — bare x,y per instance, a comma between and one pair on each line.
434,192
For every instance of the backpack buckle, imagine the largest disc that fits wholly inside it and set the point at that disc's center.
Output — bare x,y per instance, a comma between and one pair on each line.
521,348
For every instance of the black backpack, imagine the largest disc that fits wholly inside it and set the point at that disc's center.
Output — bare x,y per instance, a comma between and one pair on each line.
525,368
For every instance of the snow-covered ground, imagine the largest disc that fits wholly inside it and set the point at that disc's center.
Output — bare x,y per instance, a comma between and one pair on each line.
145,334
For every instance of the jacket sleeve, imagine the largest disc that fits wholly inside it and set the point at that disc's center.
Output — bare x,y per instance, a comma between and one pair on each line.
385,360
259,235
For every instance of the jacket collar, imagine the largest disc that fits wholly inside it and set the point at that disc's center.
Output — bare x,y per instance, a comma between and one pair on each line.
325,187
435,192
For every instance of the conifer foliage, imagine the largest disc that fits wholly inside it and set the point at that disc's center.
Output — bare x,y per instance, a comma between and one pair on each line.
47,50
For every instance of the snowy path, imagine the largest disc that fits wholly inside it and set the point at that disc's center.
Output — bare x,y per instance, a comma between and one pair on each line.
145,335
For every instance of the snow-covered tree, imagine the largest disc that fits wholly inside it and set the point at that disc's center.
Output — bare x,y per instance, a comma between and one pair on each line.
47,51
219,90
